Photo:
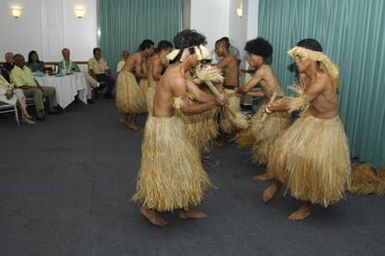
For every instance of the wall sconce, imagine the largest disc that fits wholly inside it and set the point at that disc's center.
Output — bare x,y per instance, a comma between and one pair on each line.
240,10
16,11
79,12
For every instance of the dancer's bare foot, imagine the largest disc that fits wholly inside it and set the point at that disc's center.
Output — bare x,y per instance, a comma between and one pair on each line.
192,215
133,126
153,217
123,119
270,192
301,213
221,143
262,177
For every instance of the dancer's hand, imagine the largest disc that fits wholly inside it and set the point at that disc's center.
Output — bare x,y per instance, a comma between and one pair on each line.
269,109
221,101
238,91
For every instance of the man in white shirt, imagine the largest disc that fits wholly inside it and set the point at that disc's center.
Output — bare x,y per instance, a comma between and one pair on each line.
121,63
67,66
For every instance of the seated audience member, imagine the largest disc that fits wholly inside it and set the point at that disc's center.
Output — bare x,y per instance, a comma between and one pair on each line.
34,64
22,78
121,63
8,65
99,69
10,95
66,66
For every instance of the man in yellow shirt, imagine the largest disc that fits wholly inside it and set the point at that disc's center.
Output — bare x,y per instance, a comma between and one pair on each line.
22,77
99,69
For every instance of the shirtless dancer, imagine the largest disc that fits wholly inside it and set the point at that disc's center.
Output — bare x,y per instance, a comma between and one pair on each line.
129,98
171,176
263,131
155,69
229,64
312,156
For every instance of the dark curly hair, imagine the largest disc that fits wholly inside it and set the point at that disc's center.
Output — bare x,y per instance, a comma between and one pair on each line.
188,38
145,44
311,44
163,45
223,41
260,47
96,49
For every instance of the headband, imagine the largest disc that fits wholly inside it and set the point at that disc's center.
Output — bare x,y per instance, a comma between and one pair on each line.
326,64
201,51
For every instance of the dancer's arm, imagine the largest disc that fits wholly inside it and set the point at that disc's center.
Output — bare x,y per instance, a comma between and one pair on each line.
180,89
197,93
156,69
138,68
253,82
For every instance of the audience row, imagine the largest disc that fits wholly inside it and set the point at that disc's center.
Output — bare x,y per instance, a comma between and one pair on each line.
17,81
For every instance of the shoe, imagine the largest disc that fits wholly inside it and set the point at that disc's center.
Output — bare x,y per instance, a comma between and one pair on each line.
95,94
26,120
40,116
54,111
90,101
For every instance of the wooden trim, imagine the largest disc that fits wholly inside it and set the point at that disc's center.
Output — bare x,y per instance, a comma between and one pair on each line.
55,62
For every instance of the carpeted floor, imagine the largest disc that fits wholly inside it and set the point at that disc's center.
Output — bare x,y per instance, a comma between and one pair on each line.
65,187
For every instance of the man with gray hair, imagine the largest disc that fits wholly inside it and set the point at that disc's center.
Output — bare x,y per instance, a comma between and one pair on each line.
8,65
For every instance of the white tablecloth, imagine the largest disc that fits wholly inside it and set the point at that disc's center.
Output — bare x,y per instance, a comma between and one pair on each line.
67,87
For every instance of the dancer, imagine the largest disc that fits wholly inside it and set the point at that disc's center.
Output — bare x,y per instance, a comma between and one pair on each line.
229,65
312,156
263,130
129,97
155,69
171,176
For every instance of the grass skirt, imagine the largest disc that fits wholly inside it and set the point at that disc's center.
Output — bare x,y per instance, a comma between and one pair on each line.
143,85
150,95
312,159
235,121
129,98
200,129
366,179
171,174
266,132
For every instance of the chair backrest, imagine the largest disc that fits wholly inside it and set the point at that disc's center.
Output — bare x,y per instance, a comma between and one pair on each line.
9,108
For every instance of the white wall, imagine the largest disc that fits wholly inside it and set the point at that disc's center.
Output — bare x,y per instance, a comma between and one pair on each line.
211,18
218,18
252,19
47,26
238,26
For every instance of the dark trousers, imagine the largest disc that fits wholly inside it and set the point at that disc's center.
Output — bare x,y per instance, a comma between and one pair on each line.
105,81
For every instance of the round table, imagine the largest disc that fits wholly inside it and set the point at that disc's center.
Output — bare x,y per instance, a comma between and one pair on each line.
67,87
